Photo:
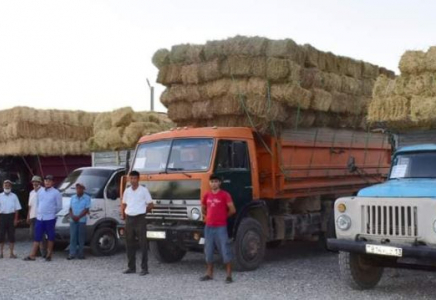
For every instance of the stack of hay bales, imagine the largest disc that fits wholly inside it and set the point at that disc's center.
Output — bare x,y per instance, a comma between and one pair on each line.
122,128
28,131
246,81
409,101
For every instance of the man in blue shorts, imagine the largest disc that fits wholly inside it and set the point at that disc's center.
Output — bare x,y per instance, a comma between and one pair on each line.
49,203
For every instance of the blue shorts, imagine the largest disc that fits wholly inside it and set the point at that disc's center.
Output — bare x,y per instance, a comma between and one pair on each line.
45,227
217,237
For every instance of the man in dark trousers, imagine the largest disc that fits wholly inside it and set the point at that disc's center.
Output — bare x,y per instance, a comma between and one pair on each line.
217,206
9,207
136,203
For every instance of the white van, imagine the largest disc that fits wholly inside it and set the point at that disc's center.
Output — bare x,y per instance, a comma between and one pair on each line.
103,185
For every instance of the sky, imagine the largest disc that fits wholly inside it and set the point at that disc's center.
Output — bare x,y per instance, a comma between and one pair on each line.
96,55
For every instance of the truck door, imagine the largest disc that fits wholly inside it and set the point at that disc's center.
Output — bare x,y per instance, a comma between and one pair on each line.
232,164
112,196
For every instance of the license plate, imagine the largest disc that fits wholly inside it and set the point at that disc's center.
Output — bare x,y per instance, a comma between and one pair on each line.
384,250
156,235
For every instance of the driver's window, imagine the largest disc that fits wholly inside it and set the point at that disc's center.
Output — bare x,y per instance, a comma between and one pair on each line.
232,155
113,188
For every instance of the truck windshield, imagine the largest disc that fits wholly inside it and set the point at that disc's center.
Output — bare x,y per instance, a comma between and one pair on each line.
414,165
174,155
93,179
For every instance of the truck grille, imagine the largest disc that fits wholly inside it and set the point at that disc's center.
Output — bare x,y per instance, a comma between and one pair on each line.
169,211
385,220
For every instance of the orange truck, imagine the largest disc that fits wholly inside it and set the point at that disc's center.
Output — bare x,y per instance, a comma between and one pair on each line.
283,186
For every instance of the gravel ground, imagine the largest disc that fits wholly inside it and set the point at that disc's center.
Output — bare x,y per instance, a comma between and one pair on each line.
298,271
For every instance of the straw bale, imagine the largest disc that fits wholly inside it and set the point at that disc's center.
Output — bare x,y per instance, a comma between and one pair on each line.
423,109
161,58
213,50
367,86
314,78
350,85
430,59
390,108
423,84
165,98
111,139
194,54
257,87
388,73
174,74
243,66
44,147
383,87
285,49
191,74
178,53
179,111
269,110
322,100
299,118
249,46
312,56
209,71
331,63
277,68
217,88
412,62
239,87
202,110
294,72
136,130
344,103
291,94
258,66
122,116
228,105
369,70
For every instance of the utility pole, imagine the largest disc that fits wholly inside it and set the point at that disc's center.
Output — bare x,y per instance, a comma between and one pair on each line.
151,95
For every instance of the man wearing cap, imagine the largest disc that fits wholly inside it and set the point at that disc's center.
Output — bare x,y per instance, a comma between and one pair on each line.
79,208
31,213
9,207
49,203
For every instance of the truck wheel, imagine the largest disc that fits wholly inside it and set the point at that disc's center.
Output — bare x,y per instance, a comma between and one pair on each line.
249,245
357,273
166,252
104,242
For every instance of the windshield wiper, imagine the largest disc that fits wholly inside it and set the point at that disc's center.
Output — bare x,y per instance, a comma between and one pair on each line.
179,169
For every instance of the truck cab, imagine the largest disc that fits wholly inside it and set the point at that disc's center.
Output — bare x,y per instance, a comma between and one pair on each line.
392,224
103,185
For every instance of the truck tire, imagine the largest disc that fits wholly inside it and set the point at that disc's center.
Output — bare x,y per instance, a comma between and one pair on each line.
249,245
356,273
104,242
166,252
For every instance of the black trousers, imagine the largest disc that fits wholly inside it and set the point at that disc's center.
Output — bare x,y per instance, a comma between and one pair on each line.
136,231
7,227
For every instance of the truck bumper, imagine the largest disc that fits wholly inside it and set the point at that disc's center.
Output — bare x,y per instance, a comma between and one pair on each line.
189,237
420,251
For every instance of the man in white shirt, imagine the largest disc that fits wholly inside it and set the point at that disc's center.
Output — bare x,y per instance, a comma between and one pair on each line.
136,203
9,207
31,214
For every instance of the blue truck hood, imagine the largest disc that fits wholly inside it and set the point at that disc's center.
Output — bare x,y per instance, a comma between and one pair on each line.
413,188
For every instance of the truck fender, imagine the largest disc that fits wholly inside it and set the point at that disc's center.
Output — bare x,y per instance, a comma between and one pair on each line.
106,222
255,209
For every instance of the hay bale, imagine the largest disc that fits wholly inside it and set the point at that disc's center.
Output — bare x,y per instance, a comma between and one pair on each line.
347,104
294,72
210,71
314,78
214,50
180,111
202,110
299,119
43,147
122,116
430,59
161,58
367,86
285,49
412,62
369,71
312,56
229,105
258,67
388,73
191,74
321,100
383,87
248,46
257,87
331,63
136,130
423,85
102,122
292,94
217,88
277,68
178,53
269,110
423,110
389,109
194,54
350,85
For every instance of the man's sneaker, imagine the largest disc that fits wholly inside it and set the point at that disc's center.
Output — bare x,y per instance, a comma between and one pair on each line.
129,271
143,273
70,257
229,279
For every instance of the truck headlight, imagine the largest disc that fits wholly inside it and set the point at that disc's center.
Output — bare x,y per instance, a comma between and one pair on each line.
195,214
343,222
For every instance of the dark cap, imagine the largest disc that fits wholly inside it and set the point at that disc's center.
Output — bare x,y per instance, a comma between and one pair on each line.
215,177
48,177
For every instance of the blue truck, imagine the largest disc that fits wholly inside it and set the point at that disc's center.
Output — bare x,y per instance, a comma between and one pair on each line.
392,224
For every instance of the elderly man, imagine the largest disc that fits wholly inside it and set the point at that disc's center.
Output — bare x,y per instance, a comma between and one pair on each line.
79,208
9,207
31,214
49,203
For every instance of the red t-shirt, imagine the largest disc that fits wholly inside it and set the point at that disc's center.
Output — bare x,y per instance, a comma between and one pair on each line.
216,208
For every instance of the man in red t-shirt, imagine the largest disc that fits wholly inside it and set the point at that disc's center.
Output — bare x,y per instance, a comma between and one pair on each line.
217,206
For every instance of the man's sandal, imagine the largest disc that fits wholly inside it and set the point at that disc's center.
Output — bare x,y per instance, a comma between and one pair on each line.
206,278
13,256
28,258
